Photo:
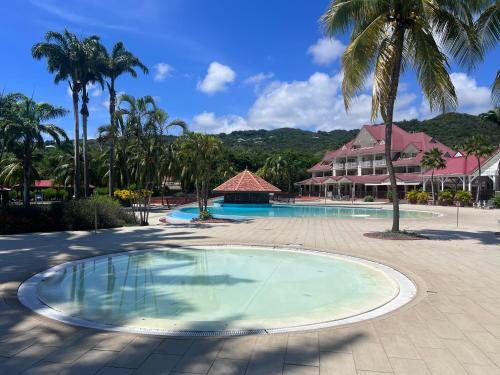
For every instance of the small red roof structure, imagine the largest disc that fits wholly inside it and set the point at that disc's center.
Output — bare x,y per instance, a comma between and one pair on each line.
42,183
246,182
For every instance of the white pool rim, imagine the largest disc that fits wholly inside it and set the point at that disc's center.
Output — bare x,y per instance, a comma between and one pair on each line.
407,290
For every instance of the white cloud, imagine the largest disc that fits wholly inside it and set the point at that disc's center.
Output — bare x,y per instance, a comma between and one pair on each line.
259,78
162,71
326,50
217,78
208,122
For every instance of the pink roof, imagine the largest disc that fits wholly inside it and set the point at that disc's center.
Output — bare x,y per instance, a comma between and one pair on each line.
321,166
247,181
42,183
457,166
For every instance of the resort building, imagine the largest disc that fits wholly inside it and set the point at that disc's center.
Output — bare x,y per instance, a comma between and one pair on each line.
359,167
246,187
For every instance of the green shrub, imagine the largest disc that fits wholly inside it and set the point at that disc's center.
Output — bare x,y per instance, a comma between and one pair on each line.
445,197
54,194
69,215
463,197
205,215
412,196
422,197
496,201
389,195
101,190
369,198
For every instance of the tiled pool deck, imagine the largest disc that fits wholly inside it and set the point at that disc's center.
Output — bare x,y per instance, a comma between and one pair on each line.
452,327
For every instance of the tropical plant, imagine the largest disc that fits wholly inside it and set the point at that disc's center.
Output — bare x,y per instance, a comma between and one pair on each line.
433,159
24,129
493,115
463,197
389,36
200,156
65,53
412,196
445,197
369,198
119,62
479,147
281,169
422,197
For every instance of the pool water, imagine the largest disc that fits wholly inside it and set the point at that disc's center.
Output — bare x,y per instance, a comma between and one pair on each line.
242,211
211,289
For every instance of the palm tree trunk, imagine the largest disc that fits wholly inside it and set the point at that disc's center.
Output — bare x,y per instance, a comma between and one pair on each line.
395,74
478,194
76,144
85,115
432,185
26,176
112,108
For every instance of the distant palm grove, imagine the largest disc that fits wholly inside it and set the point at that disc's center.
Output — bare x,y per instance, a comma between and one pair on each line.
137,150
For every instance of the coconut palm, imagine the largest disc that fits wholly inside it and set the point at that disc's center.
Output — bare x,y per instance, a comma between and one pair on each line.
390,36
64,53
25,129
280,169
119,62
479,147
433,159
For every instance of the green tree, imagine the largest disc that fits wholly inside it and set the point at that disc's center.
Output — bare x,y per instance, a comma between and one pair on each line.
281,170
479,147
200,157
25,127
493,115
389,36
119,62
433,159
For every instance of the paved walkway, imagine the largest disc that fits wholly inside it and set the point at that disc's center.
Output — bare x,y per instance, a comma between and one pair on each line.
452,327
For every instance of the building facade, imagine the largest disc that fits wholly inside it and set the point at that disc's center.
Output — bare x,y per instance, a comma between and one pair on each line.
359,167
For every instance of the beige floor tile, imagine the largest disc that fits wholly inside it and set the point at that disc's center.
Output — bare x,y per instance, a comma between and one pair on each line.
466,352
405,366
445,329
399,346
371,357
482,370
336,363
441,362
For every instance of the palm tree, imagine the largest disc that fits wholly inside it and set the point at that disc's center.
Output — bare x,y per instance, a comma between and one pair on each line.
281,169
91,70
200,156
64,53
120,61
25,129
479,147
493,115
495,90
389,36
433,159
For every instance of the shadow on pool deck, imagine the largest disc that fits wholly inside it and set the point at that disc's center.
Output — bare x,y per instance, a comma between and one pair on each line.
483,237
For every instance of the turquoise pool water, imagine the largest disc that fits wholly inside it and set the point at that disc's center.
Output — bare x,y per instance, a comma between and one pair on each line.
213,289
242,211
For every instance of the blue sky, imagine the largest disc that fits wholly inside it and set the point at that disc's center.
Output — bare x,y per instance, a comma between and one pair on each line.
221,65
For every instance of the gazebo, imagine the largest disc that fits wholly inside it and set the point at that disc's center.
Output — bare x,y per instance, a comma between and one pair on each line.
246,187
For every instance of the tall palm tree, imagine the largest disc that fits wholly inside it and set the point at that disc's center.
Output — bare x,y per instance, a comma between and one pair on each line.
91,72
433,159
119,62
479,147
389,36
25,130
65,53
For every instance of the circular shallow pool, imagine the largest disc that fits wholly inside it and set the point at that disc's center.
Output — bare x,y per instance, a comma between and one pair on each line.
245,211
216,290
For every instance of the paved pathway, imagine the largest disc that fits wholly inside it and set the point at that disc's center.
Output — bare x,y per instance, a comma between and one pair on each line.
452,327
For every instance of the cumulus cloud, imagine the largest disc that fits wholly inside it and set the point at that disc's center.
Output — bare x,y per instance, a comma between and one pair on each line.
326,50
217,78
162,71
208,122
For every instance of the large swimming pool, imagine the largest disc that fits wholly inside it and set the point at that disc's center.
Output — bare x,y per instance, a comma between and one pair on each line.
216,290
244,211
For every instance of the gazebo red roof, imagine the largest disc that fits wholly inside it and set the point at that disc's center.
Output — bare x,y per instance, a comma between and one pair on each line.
247,182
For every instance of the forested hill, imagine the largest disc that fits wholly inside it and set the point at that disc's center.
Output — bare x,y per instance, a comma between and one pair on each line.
450,129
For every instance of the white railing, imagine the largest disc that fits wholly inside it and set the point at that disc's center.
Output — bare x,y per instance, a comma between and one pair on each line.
366,163
352,165
338,165
380,163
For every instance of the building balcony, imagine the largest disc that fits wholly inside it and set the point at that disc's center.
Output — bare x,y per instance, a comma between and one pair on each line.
351,165
366,164
338,166
379,163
